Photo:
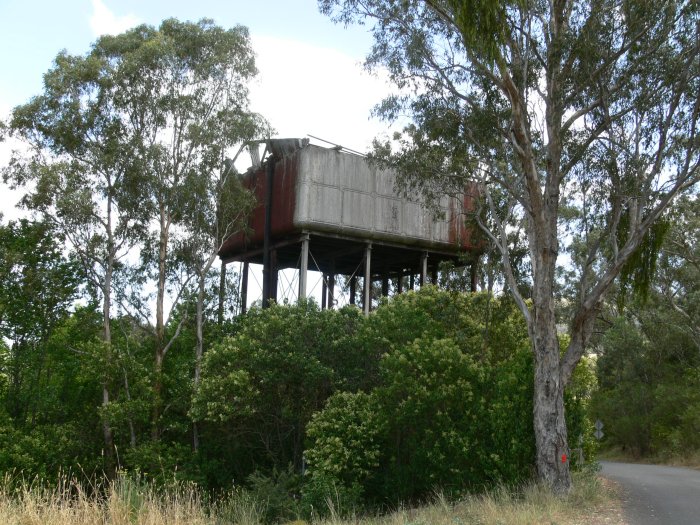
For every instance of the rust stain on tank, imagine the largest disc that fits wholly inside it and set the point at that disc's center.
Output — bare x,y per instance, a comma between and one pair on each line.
283,204
326,191
460,235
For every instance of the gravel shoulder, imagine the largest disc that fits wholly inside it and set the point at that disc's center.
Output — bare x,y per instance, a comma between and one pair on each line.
610,512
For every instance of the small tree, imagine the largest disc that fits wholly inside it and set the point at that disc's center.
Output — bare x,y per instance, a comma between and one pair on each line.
184,86
211,222
37,288
127,144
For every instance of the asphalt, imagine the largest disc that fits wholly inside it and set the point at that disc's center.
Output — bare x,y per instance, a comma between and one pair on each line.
655,494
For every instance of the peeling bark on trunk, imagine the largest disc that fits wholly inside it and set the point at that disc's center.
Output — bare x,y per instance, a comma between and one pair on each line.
549,416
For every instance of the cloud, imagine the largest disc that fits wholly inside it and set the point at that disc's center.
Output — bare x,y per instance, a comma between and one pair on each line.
105,22
302,89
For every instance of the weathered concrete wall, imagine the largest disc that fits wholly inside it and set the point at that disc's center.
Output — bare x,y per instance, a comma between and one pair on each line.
328,191
340,192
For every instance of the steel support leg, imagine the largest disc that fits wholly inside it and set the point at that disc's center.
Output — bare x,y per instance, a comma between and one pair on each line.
244,288
368,278
304,267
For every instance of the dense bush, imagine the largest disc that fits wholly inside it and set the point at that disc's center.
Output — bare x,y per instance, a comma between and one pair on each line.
261,386
348,437
452,409
298,406
649,389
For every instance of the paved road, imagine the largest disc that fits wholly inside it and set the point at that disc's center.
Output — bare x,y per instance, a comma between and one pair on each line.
657,494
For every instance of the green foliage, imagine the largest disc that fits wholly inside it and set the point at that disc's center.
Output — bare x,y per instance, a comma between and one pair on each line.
38,285
309,410
126,148
433,397
45,452
637,274
347,437
162,463
648,399
37,282
623,401
648,365
261,386
47,381
433,389
547,107
452,407
579,425
276,493
483,25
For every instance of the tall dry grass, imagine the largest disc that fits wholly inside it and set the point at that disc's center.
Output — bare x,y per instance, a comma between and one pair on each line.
124,501
533,504
129,501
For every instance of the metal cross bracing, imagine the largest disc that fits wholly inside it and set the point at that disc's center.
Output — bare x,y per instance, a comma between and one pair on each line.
354,259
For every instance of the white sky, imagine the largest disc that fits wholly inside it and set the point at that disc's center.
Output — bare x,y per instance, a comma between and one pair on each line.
311,80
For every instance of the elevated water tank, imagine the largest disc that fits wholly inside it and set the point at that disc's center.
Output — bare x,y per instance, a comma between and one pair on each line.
340,204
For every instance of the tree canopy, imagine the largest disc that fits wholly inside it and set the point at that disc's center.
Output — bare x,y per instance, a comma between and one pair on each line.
579,118
126,150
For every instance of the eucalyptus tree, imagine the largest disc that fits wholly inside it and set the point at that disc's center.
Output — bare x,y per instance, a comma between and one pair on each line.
127,140
79,173
211,222
584,114
649,357
677,280
184,89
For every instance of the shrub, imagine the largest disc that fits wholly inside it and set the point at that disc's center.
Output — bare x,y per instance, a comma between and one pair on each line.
347,437
261,386
453,408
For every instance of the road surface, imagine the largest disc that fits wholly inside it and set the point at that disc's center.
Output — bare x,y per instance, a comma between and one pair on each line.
655,494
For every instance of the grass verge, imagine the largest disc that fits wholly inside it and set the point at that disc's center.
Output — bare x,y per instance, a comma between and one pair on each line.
591,502
130,502
690,459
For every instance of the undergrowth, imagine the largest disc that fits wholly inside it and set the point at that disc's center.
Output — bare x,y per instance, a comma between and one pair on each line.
128,500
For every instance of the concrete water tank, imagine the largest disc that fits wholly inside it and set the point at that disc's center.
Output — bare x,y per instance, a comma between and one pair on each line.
340,205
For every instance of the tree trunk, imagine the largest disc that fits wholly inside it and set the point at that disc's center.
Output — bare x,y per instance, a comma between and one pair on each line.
548,404
106,427
549,417
222,294
199,349
157,395
107,341
127,391
160,326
